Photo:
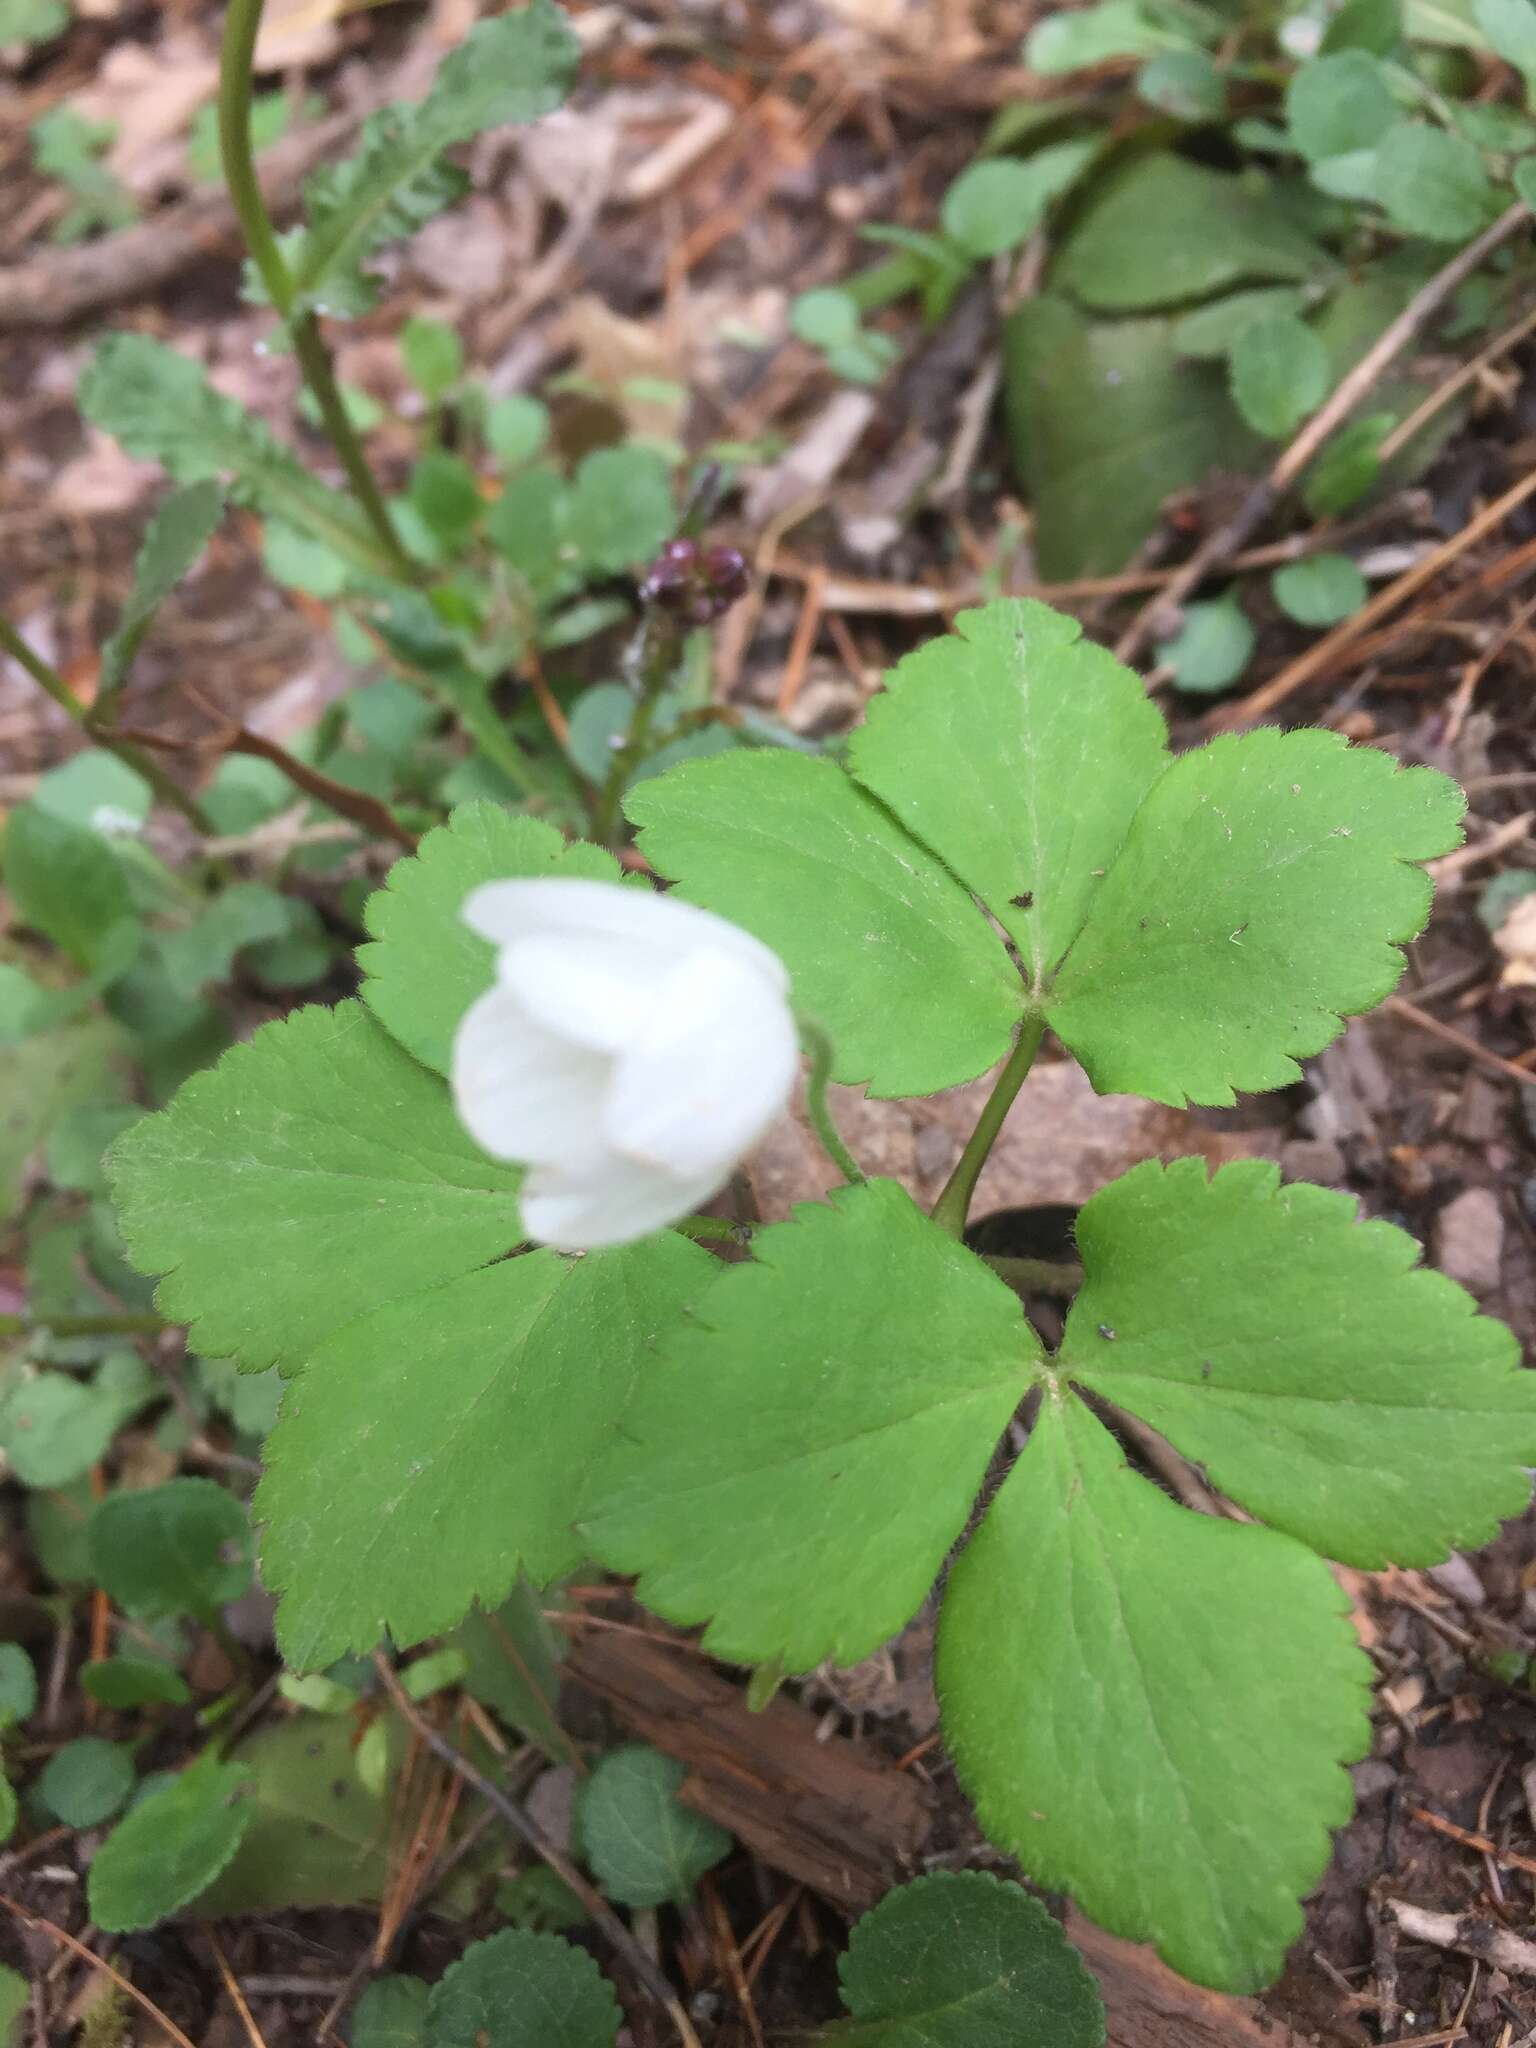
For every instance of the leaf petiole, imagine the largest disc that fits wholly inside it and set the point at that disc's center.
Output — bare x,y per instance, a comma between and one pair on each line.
818,1048
953,1205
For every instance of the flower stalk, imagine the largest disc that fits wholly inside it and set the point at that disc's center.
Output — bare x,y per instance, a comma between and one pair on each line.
954,1204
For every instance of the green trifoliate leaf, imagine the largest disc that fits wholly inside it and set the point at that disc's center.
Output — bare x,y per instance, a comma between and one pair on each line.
644,1846
1432,184
53,1428
511,69
1279,370
796,1464
160,405
964,1960
181,1548
1339,103
1076,38
86,1781
177,535
1260,899
1122,1682
1325,1380
325,1145
170,1847
488,1399
1319,590
425,966
243,914
886,950
522,1990
1030,820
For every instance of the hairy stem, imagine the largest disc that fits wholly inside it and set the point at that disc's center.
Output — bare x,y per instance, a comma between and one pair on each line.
819,1050
660,640
954,1204
242,23
47,677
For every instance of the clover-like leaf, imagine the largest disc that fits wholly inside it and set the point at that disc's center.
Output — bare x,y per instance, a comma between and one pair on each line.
171,1846
1031,818
645,1847
314,1173
798,1461
510,69
425,966
1259,899
886,949
1324,1379
1123,1681
963,1959
522,1990
86,1781
486,1400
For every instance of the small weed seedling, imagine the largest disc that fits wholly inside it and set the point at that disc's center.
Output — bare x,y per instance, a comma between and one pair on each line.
1151,1707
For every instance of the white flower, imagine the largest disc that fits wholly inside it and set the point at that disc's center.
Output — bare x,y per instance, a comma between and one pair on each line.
632,1050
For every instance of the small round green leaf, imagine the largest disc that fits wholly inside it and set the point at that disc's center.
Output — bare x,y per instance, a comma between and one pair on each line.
18,1685
1339,103
54,1428
516,428
1279,373
1432,184
1212,647
170,1847
644,1846
433,355
965,1960
1184,83
87,1781
392,2013
126,1682
994,204
1348,465
181,1548
1319,590
621,508
826,317
522,1990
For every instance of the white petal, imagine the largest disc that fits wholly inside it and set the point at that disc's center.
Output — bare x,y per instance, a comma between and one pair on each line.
506,911
613,1202
585,986
710,1072
521,1092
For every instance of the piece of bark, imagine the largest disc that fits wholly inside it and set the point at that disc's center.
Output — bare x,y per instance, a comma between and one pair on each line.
837,1818
832,1814
1148,2006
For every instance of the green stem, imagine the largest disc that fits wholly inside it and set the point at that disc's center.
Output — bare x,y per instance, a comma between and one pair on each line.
660,639
954,1204
242,23
819,1050
47,677
124,1325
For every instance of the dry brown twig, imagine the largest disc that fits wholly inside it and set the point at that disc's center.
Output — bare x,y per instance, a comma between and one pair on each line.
1219,547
